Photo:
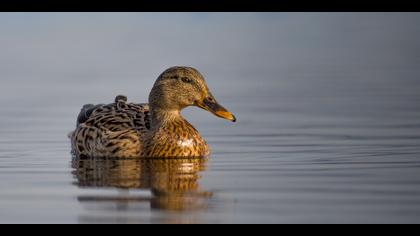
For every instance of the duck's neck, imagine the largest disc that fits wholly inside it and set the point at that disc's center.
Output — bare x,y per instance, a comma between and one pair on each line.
163,117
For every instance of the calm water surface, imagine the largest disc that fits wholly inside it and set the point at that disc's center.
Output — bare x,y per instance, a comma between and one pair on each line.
288,160
331,142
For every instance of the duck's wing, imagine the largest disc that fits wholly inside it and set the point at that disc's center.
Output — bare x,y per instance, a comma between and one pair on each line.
117,116
112,130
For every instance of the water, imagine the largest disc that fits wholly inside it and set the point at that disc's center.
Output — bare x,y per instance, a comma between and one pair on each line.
334,140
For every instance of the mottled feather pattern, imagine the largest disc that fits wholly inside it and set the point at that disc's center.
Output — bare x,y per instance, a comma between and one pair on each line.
119,117
123,130
175,139
111,130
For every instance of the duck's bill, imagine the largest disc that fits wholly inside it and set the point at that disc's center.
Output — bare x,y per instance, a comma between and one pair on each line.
212,106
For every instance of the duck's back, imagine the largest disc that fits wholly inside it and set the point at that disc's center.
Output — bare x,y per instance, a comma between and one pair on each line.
114,129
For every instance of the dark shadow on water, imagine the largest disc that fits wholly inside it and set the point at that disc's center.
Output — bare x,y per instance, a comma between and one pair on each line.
173,183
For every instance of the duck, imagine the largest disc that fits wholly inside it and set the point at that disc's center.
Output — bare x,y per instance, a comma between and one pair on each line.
149,130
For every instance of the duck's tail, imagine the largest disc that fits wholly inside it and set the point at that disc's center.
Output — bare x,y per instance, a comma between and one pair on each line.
83,116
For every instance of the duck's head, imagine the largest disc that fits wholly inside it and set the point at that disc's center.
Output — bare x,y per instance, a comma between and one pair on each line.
179,87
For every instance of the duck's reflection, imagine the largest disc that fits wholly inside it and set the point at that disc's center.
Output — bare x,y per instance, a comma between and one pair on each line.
173,182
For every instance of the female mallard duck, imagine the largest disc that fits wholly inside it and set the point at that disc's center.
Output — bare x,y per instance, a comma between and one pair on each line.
157,129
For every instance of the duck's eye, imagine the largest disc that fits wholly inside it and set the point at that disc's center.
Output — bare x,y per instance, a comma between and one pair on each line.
186,80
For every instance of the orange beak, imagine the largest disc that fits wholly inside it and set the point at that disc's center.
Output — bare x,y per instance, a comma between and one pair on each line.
210,104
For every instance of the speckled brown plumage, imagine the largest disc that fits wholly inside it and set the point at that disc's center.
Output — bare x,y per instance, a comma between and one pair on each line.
112,130
126,130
